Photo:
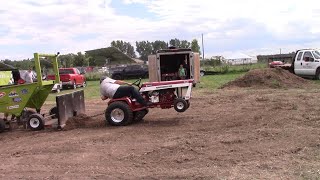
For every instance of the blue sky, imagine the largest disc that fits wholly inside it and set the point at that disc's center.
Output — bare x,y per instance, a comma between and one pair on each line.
249,26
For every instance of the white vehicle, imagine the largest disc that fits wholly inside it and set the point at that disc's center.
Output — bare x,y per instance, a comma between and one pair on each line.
57,87
307,63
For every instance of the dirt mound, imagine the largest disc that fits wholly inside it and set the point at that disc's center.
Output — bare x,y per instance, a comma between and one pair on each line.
269,78
83,121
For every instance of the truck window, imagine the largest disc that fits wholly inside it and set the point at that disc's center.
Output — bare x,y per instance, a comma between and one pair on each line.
299,56
308,56
316,54
65,71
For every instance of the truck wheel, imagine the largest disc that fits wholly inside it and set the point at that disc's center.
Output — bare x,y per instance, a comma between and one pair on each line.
180,105
139,115
74,86
36,122
202,73
84,84
2,125
117,77
317,77
119,114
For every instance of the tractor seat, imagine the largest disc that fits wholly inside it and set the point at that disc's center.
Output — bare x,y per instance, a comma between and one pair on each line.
161,83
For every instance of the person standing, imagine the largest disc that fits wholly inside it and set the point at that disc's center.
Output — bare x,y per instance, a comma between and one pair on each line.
28,76
182,72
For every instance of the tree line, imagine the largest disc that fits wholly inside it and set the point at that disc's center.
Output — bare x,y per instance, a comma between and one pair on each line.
143,48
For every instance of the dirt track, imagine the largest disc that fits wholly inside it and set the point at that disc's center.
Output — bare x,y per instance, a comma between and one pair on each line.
228,134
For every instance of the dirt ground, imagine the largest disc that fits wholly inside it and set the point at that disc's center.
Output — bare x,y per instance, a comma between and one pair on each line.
239,133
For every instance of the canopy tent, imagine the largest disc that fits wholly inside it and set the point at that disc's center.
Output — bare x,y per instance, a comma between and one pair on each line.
239,58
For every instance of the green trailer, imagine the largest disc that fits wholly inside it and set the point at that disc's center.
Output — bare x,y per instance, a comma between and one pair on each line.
18,100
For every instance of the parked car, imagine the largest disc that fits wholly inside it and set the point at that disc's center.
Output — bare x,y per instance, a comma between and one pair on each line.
130,71
70,77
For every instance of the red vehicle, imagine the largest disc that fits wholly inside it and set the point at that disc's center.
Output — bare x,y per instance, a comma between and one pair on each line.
70,77
164,95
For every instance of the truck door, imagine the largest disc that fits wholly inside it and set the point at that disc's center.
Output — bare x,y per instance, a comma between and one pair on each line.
308,64
298,64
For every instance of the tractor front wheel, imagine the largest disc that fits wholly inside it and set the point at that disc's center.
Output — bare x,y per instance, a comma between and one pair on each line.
180,105
2,125
119,114
36,122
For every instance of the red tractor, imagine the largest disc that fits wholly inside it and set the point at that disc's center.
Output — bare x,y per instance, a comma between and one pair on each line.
165,94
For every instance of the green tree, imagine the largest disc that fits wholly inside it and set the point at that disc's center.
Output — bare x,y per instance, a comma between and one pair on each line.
175,42
195,46
184,44
80,60
158,45
66,60
144,48
124,47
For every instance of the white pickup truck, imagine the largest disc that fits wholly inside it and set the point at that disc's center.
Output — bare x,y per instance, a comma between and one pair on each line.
307,63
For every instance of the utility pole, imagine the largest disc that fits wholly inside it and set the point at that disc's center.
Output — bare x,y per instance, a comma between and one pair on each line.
280,50
202,47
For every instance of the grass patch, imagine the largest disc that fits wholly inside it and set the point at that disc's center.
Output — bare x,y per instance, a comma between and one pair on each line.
212,82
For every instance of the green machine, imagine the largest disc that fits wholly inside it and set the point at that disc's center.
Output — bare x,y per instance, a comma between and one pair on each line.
15,99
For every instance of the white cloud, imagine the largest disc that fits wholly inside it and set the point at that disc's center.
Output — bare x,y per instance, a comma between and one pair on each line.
53,24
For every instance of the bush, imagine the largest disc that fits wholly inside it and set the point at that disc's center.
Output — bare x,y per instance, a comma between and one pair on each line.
93,76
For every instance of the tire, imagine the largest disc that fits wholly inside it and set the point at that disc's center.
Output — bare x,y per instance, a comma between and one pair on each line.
26,114
139,115
2,125
188,104
74,86
202,73
180,105
54,112
117,77
317,77
84,84
119,114
36,122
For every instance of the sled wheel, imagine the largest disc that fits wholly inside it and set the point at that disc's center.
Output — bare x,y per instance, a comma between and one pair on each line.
139,115
84,84
119,114
36,122
54,112
2,125
180,105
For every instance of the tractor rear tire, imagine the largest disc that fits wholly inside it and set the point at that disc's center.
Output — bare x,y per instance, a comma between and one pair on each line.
119,114
180,105
139,115
36,122
2,125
